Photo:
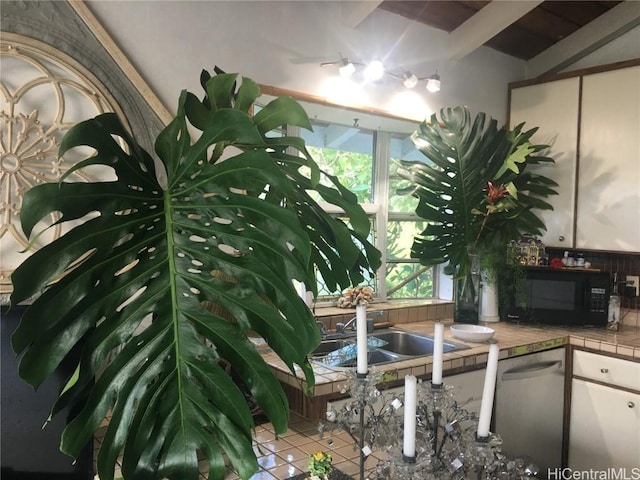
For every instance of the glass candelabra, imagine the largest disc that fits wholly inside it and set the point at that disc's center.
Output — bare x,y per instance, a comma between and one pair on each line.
447,446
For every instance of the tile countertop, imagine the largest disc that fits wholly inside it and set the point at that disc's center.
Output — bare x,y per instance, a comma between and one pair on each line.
514,340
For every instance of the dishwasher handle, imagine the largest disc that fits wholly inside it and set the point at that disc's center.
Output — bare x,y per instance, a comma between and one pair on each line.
530,371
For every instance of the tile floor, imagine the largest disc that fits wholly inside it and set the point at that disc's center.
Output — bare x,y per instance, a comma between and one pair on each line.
288,455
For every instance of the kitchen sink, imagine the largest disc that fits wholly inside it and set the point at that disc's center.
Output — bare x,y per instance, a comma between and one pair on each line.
329,346
385,346
412,344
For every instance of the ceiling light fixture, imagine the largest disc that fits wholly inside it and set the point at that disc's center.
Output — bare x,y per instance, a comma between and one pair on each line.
346,68
374,71
433,83
409,79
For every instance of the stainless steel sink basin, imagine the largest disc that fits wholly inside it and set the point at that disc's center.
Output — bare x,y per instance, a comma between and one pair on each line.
394,345
328,346
412,344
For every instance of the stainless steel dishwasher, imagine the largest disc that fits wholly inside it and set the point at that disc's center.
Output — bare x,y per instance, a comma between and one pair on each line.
529,407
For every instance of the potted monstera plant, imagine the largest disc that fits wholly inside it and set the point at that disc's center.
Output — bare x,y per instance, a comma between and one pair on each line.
169,267
478,189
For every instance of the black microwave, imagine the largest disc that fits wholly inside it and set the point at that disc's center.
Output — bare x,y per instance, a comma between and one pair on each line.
561,297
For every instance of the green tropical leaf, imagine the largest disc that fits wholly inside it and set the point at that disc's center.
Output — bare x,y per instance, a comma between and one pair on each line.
462,155
164,273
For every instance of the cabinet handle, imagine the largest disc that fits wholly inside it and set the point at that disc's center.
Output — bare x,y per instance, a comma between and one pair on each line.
561,238
631,404
604,370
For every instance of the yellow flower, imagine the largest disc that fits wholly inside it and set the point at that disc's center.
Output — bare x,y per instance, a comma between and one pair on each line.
320,463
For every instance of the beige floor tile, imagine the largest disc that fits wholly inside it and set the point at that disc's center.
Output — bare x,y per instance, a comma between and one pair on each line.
263,476
303,464
269,461
291,454
312,447
264,436
334,441
347,451
265,427
306,427
348,467
299,439
283,472
277,445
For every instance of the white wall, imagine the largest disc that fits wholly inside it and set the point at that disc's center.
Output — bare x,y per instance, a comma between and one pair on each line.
282,43
625,47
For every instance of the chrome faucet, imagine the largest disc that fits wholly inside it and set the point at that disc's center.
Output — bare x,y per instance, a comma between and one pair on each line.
342,327
322,327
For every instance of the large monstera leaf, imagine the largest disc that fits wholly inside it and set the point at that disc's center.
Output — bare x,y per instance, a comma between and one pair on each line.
464,155
221,221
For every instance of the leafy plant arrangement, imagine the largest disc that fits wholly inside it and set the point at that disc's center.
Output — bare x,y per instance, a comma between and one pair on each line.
231,225
320,465
477,190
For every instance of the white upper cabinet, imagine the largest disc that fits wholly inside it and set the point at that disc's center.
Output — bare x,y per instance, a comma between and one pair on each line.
553,107
608,202
592,123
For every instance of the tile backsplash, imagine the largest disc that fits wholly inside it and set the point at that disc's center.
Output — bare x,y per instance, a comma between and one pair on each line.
393,313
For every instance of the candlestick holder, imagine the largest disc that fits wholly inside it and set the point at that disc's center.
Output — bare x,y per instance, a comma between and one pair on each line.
399,467
447,446
359,417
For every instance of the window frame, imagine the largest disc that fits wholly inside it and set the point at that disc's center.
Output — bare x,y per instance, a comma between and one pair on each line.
378,211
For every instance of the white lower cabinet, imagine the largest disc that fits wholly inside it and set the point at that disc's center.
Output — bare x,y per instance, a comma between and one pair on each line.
604,429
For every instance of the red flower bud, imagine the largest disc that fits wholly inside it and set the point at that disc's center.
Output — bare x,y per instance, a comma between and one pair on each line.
495,193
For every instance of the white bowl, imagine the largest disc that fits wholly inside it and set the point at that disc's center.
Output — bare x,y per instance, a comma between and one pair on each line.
472,333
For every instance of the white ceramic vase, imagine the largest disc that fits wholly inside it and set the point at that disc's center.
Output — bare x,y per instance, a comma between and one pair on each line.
489,302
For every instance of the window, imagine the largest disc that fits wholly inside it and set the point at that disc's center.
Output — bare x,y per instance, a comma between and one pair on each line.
405,277
365,161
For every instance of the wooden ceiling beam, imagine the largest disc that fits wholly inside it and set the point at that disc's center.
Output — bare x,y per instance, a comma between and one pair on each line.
484,25
610,25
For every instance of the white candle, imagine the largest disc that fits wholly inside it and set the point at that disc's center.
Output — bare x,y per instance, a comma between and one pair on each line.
361,332
438,345
410,400
486,407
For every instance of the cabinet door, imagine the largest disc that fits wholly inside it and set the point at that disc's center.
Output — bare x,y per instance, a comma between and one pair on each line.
604,429
608,206
553,107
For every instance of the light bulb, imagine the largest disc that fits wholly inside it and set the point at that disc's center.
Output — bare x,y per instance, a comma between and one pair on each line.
433,83
410,80
374,71
347,69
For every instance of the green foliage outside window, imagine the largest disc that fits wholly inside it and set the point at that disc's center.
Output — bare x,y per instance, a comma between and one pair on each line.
405,278
400,203
352,168
352,162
